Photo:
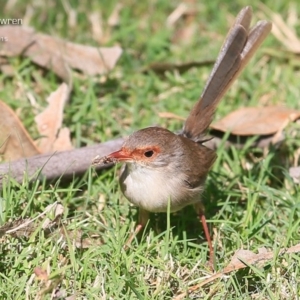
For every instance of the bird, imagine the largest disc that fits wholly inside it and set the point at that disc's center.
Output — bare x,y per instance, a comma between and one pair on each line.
164,170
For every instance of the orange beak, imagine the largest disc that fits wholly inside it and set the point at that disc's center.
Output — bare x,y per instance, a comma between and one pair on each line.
120,155
115,157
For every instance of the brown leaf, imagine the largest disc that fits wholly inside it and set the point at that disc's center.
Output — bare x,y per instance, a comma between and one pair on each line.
95,19
185,35
47,286
295,174
5,67
15,141
63,141
176,14
57,54
282,31
15,46
49,123
114,18
17,228
51,227
241,256
241,259
25,227
187,29
256,120
41,274
61,293
101,203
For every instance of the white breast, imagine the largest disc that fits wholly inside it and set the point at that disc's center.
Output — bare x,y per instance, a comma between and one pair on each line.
151,189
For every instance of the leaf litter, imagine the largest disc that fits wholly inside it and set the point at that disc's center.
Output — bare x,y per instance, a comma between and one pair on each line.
15,142
49,123
56,54
50,222
240,260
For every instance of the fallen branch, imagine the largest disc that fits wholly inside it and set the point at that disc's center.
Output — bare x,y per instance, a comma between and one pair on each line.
60,164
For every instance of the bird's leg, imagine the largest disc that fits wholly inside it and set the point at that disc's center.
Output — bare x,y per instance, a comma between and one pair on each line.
142,222
200,211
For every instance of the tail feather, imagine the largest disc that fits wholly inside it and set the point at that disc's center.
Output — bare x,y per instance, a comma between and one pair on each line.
239,46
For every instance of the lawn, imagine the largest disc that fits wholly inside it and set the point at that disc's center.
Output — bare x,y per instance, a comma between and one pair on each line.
251,201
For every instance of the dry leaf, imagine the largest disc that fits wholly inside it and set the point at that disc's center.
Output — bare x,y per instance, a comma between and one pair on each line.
15,46
10,4
176,14
57,54
189,27
282,31
295,174
24,228
15,142
61,293
5,67
49,123
46,285
41,274
63,141
256,120
71,13
185,34
95,19
51,227
241,259
292,17
101,203
114,18
241,256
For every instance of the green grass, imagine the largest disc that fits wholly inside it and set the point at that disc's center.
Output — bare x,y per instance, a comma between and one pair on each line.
250,200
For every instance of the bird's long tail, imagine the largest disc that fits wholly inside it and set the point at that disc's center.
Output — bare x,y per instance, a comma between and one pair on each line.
239,46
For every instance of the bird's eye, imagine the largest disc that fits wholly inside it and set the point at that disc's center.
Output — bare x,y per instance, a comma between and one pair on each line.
149,153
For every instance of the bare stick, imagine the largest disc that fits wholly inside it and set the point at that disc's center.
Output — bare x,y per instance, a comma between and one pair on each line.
59,164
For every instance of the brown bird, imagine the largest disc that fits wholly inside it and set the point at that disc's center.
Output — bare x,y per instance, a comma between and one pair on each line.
162,167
